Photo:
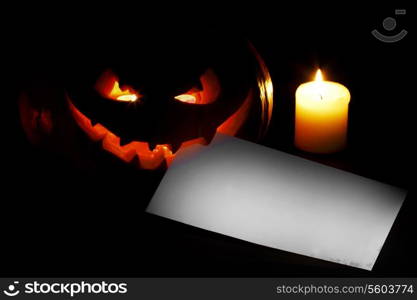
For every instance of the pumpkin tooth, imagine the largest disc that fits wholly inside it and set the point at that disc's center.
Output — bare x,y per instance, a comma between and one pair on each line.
166,148
152,161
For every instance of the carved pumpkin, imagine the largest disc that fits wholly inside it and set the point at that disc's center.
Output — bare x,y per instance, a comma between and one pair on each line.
143,104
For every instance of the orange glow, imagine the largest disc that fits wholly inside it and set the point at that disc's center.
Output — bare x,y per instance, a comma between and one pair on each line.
108,86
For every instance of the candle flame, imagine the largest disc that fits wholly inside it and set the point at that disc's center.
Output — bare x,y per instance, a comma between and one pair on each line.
319,76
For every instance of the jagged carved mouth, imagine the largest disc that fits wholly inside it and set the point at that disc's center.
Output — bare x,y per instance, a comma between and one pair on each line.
139,152
147,156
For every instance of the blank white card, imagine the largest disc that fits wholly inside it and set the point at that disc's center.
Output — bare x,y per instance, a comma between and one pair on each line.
264,196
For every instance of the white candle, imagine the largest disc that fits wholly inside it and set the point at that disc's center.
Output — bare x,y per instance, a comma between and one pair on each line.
321,116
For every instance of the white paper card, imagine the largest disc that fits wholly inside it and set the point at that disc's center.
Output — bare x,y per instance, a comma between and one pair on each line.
261,195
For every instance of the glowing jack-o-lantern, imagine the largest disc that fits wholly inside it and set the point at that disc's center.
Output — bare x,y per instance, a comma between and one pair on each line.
143,111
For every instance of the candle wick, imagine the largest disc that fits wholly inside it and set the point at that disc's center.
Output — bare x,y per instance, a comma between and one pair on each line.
321,97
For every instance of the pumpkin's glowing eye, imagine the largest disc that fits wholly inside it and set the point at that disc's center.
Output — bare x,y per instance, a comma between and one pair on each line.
190,97
186,98
206,94
128,98
127,94
108,87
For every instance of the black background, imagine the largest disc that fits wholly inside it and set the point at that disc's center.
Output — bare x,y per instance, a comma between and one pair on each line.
58,221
